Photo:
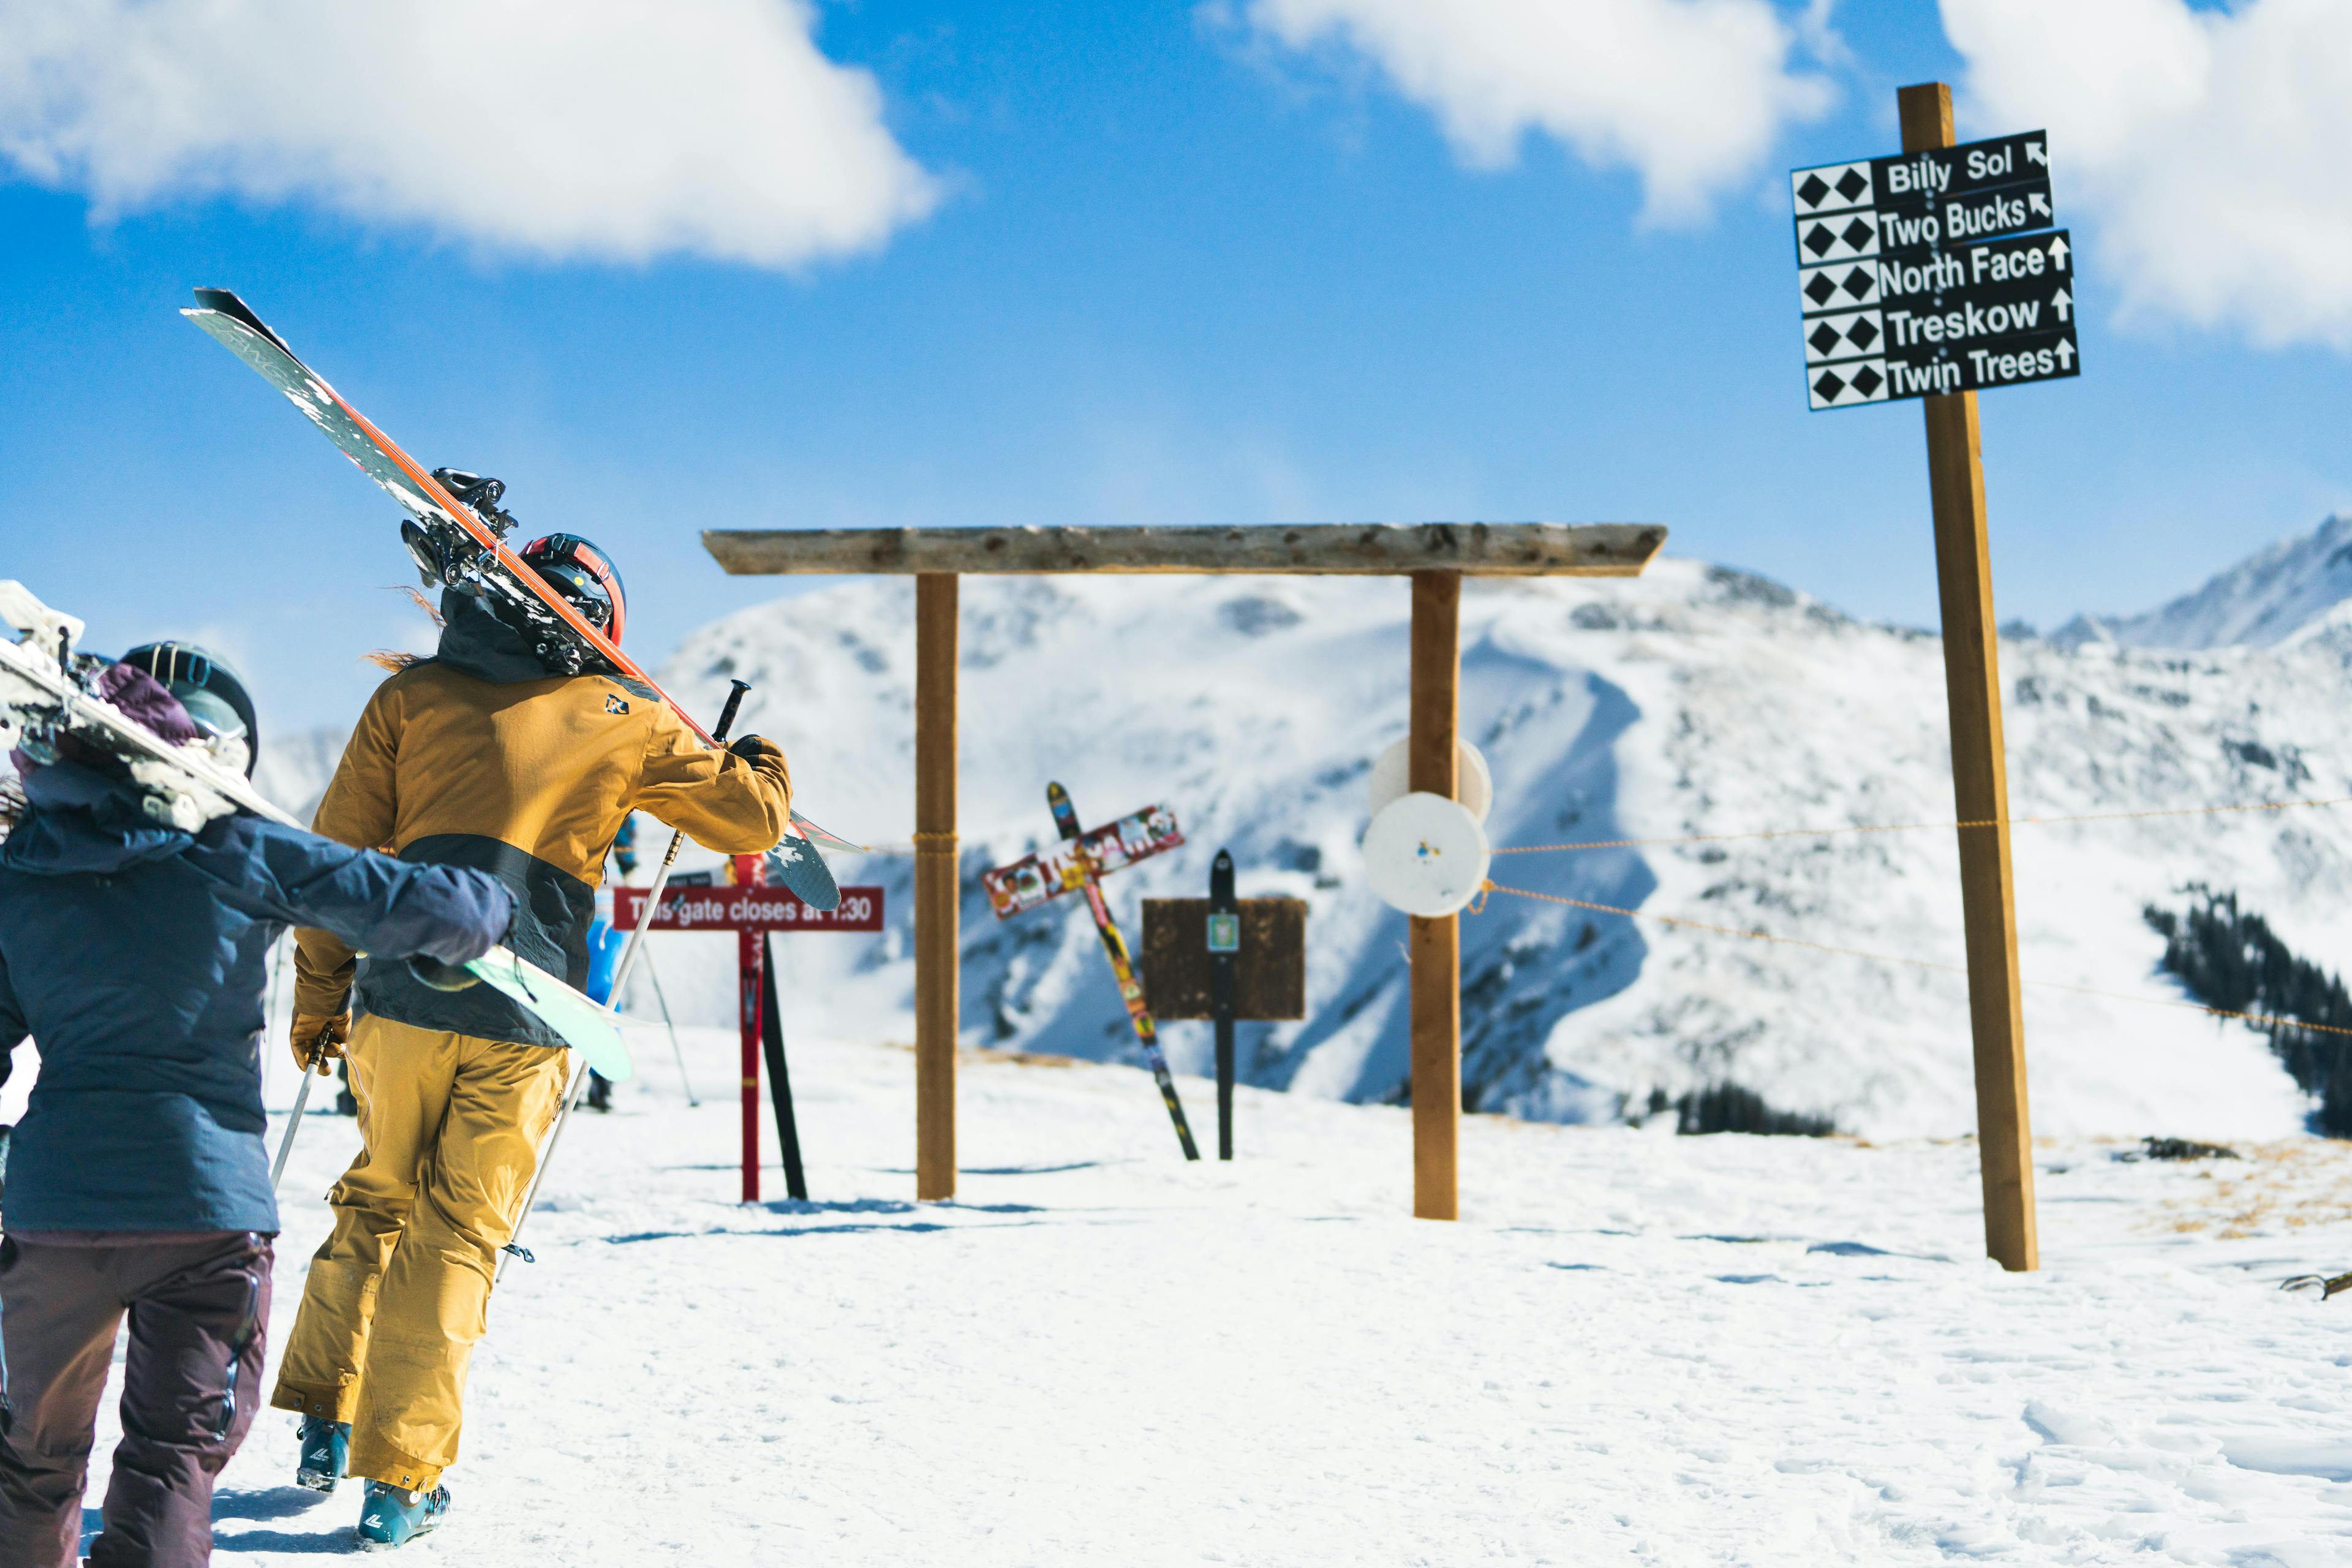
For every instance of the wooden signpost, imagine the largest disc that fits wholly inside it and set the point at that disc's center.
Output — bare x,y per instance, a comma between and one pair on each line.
1882,233
752,910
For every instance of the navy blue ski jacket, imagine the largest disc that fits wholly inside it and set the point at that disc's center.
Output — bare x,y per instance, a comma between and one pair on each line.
134,956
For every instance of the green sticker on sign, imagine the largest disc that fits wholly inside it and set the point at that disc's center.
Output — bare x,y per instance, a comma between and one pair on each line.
1225,934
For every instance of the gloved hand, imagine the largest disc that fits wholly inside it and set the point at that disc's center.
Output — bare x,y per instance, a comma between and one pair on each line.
747,746
315,1040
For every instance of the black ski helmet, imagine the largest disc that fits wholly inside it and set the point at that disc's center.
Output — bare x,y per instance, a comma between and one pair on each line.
580,571
211,692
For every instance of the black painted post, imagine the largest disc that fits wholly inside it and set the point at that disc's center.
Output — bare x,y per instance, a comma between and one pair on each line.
780,1083
1225,941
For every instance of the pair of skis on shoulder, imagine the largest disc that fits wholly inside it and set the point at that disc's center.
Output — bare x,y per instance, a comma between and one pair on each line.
458,543
45,694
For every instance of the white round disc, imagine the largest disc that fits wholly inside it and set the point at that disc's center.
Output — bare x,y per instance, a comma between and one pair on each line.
1471,783
1425,855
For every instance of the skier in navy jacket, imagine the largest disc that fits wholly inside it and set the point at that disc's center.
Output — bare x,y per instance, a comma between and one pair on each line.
133,954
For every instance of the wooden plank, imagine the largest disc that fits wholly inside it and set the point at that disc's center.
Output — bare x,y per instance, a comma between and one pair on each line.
1979,779
1269,971
938,942
1480,549
1436,945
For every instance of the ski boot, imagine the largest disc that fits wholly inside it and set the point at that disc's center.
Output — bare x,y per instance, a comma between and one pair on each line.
326,1453
392,1516
600,1091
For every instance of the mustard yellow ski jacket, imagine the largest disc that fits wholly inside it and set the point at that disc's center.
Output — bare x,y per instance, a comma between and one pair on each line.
478,758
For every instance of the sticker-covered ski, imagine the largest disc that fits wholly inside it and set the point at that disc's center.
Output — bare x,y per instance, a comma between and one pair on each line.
1123,967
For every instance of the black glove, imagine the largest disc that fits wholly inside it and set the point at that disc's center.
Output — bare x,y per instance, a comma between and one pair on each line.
750,746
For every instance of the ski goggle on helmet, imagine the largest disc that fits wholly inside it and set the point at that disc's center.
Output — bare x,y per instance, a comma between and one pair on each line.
213,696
579,571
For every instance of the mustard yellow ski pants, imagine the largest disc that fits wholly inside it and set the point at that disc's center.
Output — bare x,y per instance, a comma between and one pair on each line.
449,1128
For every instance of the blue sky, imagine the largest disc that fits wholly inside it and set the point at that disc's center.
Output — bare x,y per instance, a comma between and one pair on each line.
1171,270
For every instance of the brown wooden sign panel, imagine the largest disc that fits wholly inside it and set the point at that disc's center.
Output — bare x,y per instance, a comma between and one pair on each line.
1269,971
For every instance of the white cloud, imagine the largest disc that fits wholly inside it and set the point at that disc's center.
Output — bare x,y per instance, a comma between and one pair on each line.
1689,94
615,130
2208,148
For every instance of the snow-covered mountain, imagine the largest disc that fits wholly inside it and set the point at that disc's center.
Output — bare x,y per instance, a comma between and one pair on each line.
2293,588
1693,702
1696,700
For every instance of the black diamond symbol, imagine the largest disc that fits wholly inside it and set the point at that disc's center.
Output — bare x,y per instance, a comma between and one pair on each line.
1850,184
1859,283
1867,381
1862,333
1829,386
1824,338
1858,233
1820,290
1819,239
1811,192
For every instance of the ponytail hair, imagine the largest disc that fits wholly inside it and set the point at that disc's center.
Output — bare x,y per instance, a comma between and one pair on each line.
393,659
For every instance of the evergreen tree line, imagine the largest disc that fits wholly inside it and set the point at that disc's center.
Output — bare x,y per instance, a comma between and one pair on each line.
1733,1108
2231,959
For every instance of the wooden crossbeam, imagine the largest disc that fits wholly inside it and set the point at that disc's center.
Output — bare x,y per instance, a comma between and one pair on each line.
1473,549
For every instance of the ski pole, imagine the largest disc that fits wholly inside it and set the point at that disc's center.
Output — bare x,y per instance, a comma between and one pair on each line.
676,1049
513,1247
669,860
293,1125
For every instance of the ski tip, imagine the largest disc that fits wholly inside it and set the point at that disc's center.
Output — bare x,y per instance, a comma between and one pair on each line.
801,827
226,303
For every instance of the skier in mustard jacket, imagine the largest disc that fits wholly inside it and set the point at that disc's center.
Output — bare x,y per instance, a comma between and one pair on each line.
479,757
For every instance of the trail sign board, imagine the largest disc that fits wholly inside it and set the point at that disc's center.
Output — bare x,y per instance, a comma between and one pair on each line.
1915,200
746,908
1270,958
1903,293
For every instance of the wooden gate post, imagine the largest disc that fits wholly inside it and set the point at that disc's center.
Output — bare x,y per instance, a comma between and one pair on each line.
937,940
1980,778
1436,945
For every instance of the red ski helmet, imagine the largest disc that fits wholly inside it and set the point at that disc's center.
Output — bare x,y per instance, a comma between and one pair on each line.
579,571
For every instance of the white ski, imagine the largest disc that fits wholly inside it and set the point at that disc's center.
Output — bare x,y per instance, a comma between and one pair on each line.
40,697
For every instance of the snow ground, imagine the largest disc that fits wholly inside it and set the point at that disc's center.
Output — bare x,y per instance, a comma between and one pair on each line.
1636,1348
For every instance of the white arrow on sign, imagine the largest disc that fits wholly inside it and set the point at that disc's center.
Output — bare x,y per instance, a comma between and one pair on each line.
2039,203
2058,248
2064,303
2066,352
2034,155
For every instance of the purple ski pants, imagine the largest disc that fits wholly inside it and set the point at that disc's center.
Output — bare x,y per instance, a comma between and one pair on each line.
199,1306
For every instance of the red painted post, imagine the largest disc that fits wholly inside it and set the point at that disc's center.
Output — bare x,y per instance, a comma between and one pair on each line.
699,906
749,957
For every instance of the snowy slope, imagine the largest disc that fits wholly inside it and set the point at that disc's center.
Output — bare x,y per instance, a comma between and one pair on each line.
2295,586
1695,700
1635,1349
